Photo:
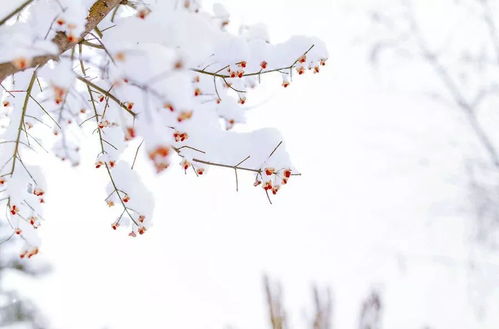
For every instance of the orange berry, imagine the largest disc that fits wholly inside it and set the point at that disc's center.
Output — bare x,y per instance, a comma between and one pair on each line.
269,171
169,107
143,13
14,210
184,115
21,63
267,186
120,56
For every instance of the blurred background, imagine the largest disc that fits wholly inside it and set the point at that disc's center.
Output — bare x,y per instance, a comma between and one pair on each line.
393,224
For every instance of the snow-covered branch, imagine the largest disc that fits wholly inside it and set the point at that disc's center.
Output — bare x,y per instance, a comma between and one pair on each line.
167,79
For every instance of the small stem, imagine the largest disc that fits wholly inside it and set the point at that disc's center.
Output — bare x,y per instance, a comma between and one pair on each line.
105,92
21,122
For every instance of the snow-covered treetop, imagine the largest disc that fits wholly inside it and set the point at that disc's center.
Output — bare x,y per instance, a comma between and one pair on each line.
162,76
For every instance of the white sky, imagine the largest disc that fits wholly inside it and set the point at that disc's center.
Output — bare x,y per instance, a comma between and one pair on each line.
370,210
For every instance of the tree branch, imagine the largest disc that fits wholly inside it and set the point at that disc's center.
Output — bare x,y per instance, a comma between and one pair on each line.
97,12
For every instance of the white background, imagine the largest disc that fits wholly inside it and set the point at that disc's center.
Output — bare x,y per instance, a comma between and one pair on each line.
372,209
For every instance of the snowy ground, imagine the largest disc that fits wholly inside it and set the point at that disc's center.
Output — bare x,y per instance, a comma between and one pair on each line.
377,207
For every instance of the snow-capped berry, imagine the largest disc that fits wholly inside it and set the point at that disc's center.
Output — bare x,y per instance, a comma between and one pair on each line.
18,231
32,252
59,94
185,164
72,38
197,92
263,65
161,151
115,225
21,63
229,124
104,124
130,133
142,13
180,137
38,191
142,230
184,115
159,156
99,164
169,107
179,64
267,185
200,171
14,209
275,188
121,57
269,171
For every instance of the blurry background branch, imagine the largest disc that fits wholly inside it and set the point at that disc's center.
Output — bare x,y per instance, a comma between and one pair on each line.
370,312
466,72
16,310
323,306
